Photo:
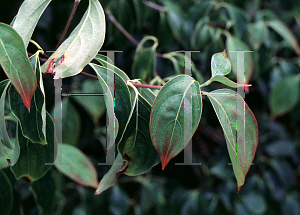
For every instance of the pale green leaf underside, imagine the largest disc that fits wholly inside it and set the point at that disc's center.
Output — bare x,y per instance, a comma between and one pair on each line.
28,16
83,43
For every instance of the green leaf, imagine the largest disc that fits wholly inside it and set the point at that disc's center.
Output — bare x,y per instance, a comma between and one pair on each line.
82,45
4,138
225,103
168,131
44,193
5,159
111,177
28,16
228,82
122,105
32,123
144,63
220,64
71,123
148,95
6,194
284,95
258,33
136,145
30,158
105,61
14,61
285,33
94,105
233,44
81,169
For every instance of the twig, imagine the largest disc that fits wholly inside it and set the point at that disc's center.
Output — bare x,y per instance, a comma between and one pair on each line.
120,27
20,197
217,25
89,75
155,6
76,3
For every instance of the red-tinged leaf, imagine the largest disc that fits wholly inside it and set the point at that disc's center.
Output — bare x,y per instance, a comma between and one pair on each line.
14,61
242,143
168,128
81,169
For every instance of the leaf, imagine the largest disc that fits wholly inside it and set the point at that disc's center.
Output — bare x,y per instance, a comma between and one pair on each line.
82,45
32,123
148,95
93,104
258,34
28,16
106,62
226,104
4,138
136,145
284,95
5,159
6,194
220,64
122,105
14,61
111,177
44,193
281,28
30,158
235,44
254,203
169,132
144,63
81,169
228,82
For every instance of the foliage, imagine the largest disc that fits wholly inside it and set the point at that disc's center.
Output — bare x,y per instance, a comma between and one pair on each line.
152,124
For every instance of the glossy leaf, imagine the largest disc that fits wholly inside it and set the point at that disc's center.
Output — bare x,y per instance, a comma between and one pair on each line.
14,61
258,34
81,169
241,145
28,16
228,82
148,95
30,158
122,105
33,122
285,95
136,145
220,64
4,138
168,131
82,45
6,194
111,177
286,33
93,104
235,44
105,61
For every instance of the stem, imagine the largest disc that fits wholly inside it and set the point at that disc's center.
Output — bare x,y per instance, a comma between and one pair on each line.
20,197
126,34
75,5
120,27
206,83
89,75
155,6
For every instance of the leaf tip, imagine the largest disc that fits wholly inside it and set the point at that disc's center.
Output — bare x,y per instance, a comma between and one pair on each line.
239,188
